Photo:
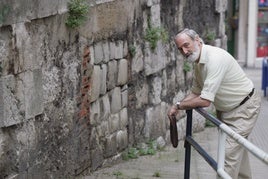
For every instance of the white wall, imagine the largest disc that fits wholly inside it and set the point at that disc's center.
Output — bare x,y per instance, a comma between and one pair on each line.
252,33
242,33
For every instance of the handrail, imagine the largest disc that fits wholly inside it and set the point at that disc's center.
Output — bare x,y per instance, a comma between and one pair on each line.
224,130
260,154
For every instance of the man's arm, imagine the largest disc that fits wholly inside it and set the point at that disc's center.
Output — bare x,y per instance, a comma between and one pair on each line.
190,96
191,101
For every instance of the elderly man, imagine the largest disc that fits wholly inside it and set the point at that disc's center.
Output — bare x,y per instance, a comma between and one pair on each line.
219,79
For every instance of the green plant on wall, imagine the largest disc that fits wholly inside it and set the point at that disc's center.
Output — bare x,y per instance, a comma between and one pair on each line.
157,174
209,36
78,10
154,34
3,13
132,50
186,66
133,152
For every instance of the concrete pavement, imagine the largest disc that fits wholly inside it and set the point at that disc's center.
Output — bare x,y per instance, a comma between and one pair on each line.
259,135
169,163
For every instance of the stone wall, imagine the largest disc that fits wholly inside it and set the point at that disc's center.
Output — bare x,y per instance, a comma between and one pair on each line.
72,100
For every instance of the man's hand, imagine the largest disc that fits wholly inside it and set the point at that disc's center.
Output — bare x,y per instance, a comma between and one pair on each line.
173,111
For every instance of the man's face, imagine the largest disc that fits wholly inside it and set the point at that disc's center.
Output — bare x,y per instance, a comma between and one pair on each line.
189,48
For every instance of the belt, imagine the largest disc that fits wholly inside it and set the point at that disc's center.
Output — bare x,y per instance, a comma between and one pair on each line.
246,98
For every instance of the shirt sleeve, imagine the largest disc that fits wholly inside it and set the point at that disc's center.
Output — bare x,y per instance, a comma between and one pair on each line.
215,71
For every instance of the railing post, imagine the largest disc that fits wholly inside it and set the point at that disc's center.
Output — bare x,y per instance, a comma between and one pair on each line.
221,151
187,145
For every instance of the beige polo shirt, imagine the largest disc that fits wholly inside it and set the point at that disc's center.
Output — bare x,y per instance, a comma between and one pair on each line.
220,79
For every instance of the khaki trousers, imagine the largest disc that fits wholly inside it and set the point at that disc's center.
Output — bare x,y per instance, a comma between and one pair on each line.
242,120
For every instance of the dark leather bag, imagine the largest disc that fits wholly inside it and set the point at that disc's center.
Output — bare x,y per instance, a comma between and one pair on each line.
173,131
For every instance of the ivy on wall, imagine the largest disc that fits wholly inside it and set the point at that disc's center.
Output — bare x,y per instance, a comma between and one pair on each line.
78,10
209,36
154,34
186,66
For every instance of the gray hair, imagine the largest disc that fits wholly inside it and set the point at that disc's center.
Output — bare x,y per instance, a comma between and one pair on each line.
190,32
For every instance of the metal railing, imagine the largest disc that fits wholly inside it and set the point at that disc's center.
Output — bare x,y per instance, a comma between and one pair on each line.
224,130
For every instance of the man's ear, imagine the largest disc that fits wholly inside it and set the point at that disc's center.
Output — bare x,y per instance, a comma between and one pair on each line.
197,38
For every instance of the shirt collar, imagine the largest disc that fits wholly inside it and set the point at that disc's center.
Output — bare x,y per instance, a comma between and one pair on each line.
203,56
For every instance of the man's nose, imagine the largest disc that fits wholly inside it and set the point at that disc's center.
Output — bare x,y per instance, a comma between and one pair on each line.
185,51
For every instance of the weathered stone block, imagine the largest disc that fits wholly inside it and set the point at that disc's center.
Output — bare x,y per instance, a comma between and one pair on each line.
103,86
137,64
28,48
179,74
51,84
142,94
93,141
95,112
110,146
122,72
115,100
114,123
112,51
198,122
106,51
222,25
164,83
112,74
154,61
96,158
155,123
23,11
103,129
9,105
217,43
155,15
160,142
125,49
34,104
123,118
96,83
98,52
116,49
3,153
152,2
124,96
224,41
221,5
122,139
4,50
178,96
155,95
105,108
119,50
109,22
